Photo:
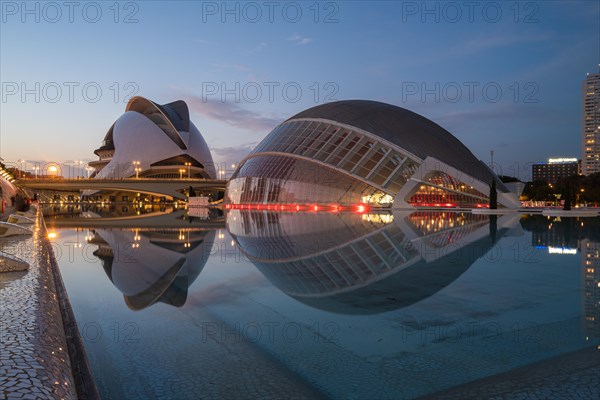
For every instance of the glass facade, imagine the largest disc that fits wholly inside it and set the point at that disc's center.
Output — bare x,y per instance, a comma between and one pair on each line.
360,155
440,188
373,171
279,179
305,161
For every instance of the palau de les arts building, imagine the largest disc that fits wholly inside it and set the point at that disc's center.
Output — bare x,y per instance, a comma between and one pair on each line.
359,153
160,137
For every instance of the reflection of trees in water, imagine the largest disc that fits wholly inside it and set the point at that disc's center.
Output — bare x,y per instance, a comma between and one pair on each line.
570,229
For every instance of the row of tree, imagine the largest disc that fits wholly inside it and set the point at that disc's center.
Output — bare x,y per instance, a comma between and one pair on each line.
574,189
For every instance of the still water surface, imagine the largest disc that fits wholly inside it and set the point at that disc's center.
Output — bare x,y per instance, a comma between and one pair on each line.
346,305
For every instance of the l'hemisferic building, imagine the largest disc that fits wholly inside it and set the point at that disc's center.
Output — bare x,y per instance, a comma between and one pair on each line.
359,152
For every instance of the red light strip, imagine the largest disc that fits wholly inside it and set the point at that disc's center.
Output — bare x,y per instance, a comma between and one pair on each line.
357,208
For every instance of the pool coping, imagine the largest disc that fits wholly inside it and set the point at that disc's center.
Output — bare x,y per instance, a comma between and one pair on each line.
42,354
85,384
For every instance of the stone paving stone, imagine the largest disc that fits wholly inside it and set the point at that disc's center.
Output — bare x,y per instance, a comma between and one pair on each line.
572,376
32,340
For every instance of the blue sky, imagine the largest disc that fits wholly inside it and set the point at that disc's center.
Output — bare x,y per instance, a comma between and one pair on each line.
500,76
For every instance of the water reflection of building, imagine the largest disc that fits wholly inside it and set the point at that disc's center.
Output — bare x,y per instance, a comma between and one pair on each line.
150,266
349,263
107,210
559,237
565,236
590,261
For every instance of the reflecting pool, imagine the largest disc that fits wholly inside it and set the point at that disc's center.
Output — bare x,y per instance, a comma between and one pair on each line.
321,304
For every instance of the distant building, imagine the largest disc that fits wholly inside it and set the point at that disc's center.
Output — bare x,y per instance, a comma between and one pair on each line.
555,169
590,261
591,124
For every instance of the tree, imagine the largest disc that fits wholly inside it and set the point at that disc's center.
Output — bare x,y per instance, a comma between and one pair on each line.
567,196
508,179
539,191
493,195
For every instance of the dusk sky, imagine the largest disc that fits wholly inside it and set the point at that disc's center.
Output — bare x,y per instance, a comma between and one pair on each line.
519,68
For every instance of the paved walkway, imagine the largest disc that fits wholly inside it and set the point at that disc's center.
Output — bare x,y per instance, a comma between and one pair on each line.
572,376
34,361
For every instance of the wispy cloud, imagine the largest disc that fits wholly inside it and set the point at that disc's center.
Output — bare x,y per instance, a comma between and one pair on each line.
234,67
297,39
232,114
534,112
253,49
499,40
259,47
479,44
232,153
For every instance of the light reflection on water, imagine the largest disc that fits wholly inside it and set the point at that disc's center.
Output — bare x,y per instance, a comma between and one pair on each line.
332,304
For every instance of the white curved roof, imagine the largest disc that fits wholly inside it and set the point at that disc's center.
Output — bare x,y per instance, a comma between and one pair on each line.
149,133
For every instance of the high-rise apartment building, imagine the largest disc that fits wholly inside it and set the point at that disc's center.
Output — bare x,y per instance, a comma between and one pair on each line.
590,259
591,125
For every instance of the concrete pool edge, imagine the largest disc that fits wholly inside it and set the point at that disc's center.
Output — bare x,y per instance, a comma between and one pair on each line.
34,361
80,367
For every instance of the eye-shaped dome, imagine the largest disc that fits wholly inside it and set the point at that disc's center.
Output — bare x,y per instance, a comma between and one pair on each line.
359,151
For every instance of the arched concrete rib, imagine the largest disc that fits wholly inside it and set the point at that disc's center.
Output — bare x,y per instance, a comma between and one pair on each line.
167,122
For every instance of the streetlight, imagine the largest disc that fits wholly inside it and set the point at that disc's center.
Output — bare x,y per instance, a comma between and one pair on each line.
181,171
189,165
137,169
21,162
53,170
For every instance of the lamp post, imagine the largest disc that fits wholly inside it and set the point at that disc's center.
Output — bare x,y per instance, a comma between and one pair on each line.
53,171
137,169
20,175
189,165
181,171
